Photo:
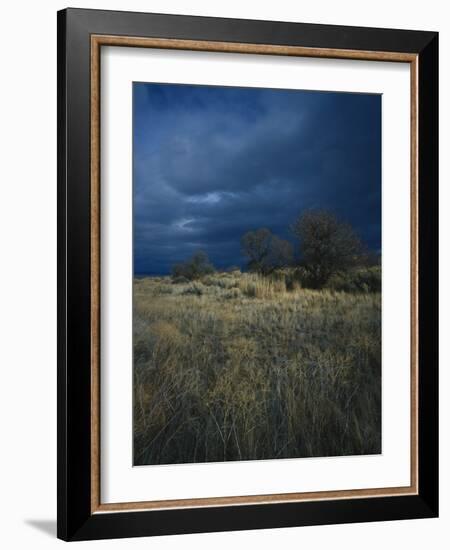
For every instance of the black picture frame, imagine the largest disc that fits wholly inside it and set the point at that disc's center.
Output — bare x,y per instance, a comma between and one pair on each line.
75,518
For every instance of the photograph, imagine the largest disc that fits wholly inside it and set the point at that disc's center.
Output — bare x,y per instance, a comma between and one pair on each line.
257,270
247,260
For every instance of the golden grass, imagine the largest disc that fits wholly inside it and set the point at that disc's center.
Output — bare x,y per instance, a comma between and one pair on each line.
237,368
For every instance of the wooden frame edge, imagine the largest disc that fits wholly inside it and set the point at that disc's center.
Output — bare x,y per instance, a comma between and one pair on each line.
248,48
95,273
414,277
261,49
215,502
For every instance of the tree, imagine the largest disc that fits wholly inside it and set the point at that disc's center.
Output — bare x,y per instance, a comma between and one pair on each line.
327,245
194,268
265,251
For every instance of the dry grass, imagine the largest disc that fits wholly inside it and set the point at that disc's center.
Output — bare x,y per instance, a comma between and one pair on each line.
237,367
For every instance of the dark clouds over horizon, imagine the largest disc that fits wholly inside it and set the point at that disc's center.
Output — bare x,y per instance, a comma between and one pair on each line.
210,163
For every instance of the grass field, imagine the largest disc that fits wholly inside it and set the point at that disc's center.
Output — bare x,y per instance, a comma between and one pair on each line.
238,367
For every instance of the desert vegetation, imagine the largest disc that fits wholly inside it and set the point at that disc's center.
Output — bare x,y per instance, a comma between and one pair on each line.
243,366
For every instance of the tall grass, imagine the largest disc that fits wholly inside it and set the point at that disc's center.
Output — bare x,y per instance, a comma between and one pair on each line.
240,367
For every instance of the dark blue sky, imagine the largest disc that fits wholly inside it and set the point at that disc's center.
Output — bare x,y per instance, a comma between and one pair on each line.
210,163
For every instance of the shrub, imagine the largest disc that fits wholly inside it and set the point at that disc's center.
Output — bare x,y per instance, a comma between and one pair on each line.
226,283
305,277
194,289
208,281
257,286
290,277
180,280
196,267
361,280
371,278
166,289
232,294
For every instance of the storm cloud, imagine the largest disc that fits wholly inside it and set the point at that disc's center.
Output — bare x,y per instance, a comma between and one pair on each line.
210,163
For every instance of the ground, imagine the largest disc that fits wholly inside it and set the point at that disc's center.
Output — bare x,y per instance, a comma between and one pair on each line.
238,367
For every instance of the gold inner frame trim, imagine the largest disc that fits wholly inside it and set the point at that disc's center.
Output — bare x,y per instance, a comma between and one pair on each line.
97,41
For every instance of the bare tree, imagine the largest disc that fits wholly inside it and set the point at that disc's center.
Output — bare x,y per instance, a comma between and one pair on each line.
327,245
265,251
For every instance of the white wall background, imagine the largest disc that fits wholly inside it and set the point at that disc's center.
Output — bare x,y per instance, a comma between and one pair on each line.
28,272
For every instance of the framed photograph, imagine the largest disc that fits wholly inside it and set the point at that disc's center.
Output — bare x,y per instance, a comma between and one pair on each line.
247,252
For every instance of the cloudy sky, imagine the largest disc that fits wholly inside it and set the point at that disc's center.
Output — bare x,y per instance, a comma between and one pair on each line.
210,163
